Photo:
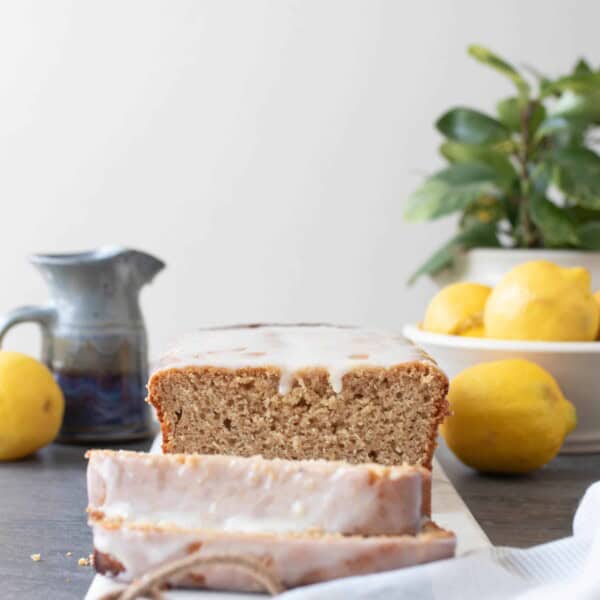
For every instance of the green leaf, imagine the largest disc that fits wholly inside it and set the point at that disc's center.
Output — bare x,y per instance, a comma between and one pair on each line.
511,210
582,67
552,125
565,131
438,261
554,223
536,116
584,106
451,190
511,112
456,152
541,177
486,57
580,215
589,235
486,209
577,174
581,83
471,127
477,236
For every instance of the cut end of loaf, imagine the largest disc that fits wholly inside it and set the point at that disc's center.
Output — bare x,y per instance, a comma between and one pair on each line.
383,415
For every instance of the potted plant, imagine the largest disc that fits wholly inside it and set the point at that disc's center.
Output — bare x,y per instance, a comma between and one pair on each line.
525,182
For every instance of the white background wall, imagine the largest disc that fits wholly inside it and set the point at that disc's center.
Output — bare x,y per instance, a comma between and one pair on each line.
263,148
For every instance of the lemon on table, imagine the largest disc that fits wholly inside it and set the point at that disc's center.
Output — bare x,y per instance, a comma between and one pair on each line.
597,298
508,416
539,300
31,405
457,310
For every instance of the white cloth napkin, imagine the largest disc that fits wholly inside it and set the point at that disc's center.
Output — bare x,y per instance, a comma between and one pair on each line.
562,570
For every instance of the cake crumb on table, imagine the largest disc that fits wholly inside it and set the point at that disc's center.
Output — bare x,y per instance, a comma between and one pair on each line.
83,562
69,554
36,557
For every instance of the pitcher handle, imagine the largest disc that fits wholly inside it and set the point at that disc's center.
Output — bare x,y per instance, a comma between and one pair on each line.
43,315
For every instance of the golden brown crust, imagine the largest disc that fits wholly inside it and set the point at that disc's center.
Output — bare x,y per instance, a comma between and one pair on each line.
94,514
106,564
426,497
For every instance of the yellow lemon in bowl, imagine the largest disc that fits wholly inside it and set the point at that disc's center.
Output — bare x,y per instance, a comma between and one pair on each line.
597,298
457,309
31,405
541,301
508,416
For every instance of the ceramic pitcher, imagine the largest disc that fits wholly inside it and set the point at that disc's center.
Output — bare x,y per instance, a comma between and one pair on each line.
94,340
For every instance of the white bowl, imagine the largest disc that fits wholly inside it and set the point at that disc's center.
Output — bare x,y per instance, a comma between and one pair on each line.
575,365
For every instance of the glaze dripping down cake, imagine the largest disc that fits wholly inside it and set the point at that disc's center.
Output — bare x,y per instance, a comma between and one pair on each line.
300,392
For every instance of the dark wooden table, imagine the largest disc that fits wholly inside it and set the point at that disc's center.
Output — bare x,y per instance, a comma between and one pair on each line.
43,498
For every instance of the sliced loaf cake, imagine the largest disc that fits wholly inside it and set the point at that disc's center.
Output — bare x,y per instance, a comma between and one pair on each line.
130,551
255,494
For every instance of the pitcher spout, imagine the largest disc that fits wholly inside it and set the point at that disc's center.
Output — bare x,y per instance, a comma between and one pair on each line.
144,265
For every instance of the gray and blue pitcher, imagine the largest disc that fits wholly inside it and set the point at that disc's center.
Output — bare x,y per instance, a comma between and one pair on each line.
94,340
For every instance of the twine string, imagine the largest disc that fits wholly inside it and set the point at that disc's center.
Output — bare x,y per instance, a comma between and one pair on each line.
150,583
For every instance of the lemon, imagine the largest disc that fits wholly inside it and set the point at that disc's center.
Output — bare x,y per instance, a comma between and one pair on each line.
31,405
597,298
477,331
457,310
508,416
539,300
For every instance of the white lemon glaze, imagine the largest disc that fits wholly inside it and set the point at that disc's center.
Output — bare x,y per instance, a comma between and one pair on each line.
291,348
254,494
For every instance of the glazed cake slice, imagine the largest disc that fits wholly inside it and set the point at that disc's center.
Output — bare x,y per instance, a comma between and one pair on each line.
248,495
300,392
128,551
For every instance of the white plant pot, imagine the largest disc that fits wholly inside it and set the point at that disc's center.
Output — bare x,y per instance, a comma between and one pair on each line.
488,265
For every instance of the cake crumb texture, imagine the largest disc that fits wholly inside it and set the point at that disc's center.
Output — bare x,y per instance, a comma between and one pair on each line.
387,415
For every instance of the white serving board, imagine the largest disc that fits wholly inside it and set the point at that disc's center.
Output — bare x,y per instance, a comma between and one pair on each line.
449,512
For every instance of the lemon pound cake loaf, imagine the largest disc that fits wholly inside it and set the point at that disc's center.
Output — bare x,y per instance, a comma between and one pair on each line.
300,392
